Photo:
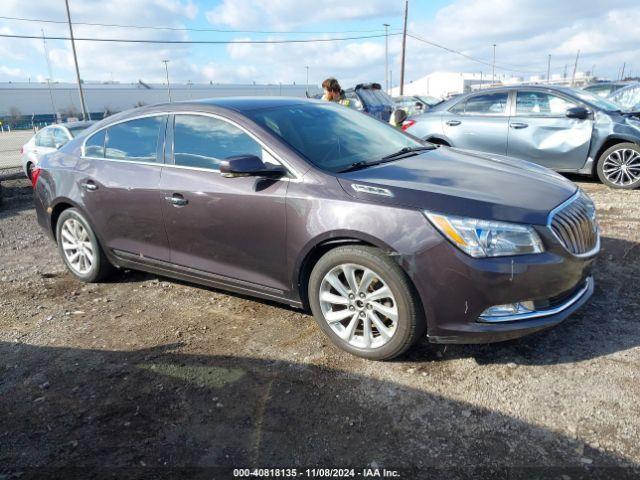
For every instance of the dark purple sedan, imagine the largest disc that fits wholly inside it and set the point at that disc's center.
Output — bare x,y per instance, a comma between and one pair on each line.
386,238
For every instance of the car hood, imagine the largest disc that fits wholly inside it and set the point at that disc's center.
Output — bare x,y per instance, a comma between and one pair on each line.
458,182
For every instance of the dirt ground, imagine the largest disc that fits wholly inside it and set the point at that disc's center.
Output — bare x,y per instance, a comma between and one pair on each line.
146,374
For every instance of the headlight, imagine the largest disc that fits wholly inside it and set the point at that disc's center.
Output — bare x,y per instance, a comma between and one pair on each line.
483,238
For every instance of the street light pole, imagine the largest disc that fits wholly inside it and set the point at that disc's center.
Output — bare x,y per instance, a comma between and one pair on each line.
85,115
549,70
166,69
493,67
386,57
307,84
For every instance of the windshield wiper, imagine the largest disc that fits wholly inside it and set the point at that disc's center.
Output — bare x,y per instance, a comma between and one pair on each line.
404,151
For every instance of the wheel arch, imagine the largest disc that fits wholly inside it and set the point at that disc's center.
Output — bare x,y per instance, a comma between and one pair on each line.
319,246
608,143
438,140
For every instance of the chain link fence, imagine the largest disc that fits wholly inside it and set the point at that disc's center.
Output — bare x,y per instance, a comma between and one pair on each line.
11,143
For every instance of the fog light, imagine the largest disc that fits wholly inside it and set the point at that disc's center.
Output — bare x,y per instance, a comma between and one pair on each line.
508,309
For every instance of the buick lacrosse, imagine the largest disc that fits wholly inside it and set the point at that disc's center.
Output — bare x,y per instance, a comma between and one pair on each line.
384,237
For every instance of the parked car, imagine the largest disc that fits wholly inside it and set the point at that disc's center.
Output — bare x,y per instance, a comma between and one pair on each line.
415,104
562,128
308,203
47,140
371,99
605,89
627,98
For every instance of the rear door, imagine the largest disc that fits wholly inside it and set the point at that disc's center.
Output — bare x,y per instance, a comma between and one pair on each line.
44,143
479,122
232,228
540,132
119,183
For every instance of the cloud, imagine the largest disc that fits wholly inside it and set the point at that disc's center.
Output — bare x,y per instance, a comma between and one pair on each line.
283,14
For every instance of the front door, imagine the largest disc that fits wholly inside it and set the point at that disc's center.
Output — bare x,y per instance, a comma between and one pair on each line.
540,132
233,228
479,123
119,182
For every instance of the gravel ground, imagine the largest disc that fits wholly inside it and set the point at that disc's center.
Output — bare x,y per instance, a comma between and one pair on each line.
149,374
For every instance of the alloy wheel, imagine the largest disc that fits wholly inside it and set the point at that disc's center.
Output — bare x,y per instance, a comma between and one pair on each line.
77,246
358,306
622,167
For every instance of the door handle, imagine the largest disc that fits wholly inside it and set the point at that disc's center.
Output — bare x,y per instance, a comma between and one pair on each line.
518,125
89,186
177,200
453,123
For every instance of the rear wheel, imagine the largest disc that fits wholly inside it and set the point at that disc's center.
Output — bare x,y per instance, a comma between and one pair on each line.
30,170
619,166
80,249
365,303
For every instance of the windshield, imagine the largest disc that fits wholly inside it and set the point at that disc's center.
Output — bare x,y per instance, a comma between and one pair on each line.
628,98
333,137
595,100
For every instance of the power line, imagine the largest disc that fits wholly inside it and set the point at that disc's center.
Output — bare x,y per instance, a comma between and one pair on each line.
207,42
457,52
185,29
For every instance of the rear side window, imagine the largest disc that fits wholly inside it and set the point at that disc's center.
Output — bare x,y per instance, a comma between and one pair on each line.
203,142
485,104
541,104
45,138
94,146
135,140
60,137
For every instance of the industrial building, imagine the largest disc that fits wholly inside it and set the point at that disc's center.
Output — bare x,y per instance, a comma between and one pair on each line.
38,102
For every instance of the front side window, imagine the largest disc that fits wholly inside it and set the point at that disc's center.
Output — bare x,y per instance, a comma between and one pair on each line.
45,138
330,136
203,142
94,146
541,104
135,140
486,104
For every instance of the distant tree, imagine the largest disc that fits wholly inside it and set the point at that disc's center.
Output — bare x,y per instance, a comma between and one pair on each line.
14,117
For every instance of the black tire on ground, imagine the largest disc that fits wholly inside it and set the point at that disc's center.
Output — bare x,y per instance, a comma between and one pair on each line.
621,147
101,268
411,321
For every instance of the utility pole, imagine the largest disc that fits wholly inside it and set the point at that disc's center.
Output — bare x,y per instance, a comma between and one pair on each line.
564,75
404,46
166,69
493,67
622,71
85,115
549,69
386,57
575,67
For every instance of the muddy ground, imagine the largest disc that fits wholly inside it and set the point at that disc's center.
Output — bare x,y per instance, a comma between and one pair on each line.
146,374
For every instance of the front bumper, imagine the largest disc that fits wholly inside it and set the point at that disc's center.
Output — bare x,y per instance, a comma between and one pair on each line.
456,289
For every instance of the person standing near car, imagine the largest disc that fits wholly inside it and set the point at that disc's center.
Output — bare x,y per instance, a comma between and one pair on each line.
333,92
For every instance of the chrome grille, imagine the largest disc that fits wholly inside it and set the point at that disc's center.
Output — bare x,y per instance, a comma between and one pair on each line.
575,225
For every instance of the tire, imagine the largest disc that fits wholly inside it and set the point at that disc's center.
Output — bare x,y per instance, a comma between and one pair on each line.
619,166
389,339
29,170
92,264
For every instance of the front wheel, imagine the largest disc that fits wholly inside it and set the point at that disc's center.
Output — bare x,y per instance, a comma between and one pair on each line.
619,166
79,247
365,303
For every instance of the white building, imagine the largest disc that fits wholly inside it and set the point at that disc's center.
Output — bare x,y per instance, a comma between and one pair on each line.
32,98
442,84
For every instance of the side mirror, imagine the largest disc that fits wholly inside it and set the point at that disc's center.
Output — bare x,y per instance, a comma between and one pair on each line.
397,117
419,106
59,146
249,166
580,113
